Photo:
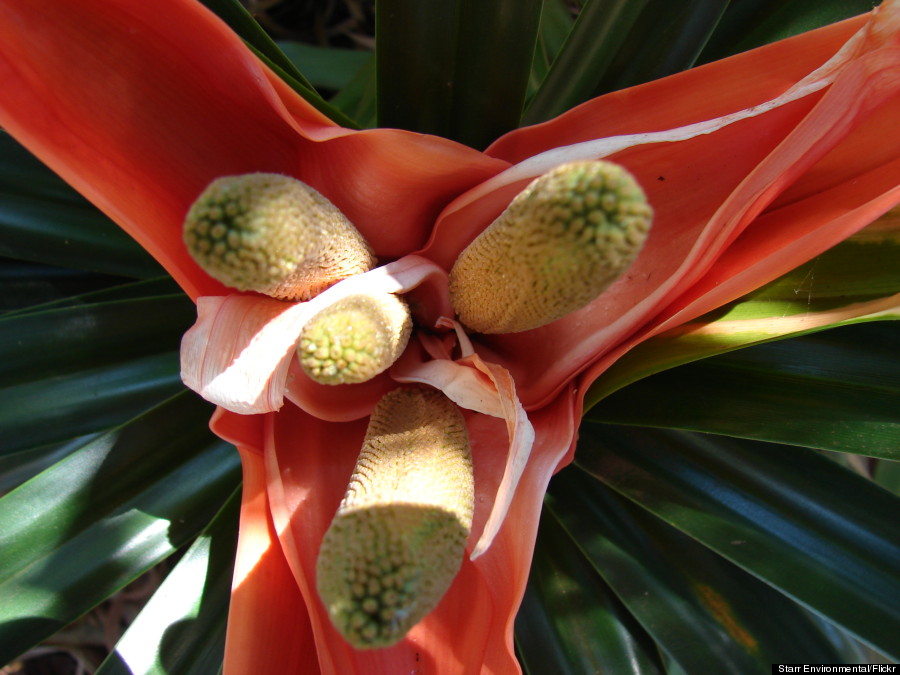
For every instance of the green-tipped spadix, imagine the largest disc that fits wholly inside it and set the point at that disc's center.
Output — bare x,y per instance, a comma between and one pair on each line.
275,235
355,339
560,243
399,536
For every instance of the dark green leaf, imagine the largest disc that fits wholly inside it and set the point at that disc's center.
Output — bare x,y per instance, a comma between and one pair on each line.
149,288
57,408
46,344
835,390
23,174
325,68
887,474
182,628
819,533
95,521
598,34
17,467
358,99
570,622
619,44
241,22
43,220
667,38
25,284
81,368
705,613
457,68
856,281
555,24
753,23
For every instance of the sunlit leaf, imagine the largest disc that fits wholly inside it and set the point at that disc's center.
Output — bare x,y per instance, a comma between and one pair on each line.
96,520
835,390
182,628
857,280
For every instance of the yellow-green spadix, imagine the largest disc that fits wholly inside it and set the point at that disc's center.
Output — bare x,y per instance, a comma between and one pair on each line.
355,339
557,246
275,235
399,536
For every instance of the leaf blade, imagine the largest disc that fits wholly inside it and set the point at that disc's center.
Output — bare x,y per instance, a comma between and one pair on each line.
99,518
182,627
440,71
792,518
570,621
835,390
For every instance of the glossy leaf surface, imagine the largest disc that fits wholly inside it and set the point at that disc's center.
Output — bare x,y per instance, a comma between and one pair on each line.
835,390
95,521
182,628
78,369
47,343
50,410
819,533
857,280
571,622
684,595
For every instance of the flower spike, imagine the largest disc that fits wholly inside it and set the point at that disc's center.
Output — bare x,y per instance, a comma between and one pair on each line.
274,235
355,339
560,243
399,535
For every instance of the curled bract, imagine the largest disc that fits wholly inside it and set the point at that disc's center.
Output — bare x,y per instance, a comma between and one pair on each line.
238,354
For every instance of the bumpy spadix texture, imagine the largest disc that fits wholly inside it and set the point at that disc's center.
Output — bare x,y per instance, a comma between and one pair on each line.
399,536
274,235
560,243
355,338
